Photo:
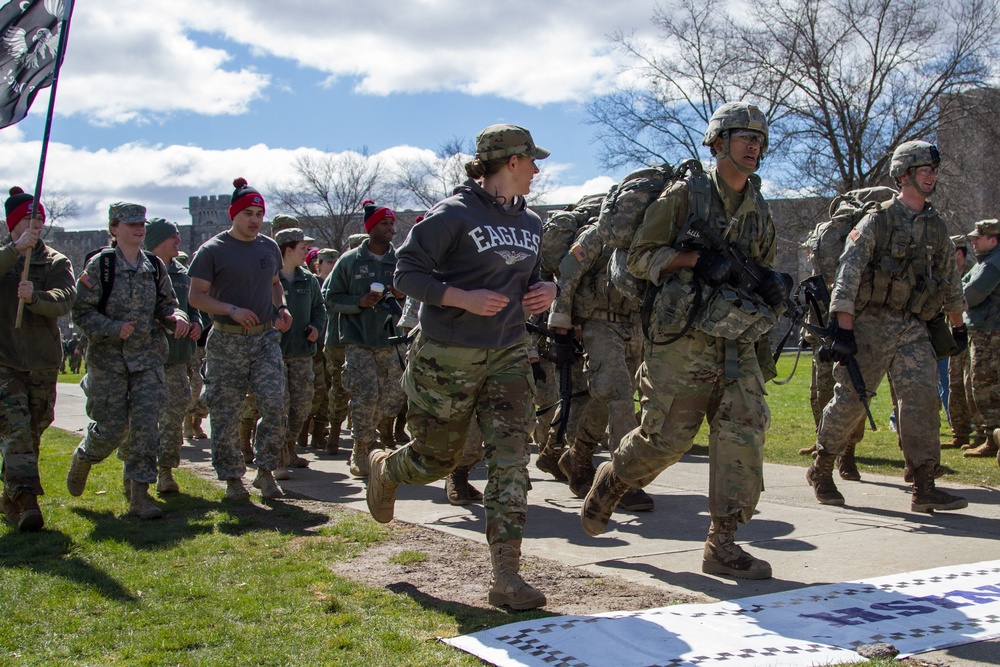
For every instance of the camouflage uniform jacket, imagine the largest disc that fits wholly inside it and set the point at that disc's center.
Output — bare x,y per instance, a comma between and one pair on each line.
748,224
305,305
350,280
135,296
982,292
909,240
585,288
182,349
36,345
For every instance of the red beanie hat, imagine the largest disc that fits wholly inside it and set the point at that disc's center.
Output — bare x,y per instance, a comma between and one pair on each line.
18,206
375,214
243,196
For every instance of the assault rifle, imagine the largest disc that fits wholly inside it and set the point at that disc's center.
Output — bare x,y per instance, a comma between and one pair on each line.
749,276
563,352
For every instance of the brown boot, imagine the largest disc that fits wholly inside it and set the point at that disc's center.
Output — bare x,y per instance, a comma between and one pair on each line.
548,462
333,440
602,499
141,505
199,432
939,471
988,448
636,500
927,498
246,446
359,459
188,427
507,588
977,441
320,431
577,463
847,466
381,493
235,490
268,487
29,519
723,556
458,490
76,478
165,481
303,439
385,435
820,477
956,442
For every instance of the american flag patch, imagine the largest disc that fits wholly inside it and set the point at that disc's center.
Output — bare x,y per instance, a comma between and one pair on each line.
855,234
578,252
87,281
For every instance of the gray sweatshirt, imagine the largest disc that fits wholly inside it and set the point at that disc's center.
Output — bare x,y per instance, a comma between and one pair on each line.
471,242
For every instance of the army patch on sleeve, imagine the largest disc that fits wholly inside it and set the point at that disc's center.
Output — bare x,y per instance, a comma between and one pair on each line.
578,252
855,234
87,281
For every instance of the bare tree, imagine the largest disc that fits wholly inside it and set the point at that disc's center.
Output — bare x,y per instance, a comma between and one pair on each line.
842,81
427,182
327,192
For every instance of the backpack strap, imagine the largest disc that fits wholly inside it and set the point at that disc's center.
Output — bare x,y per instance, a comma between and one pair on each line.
106,273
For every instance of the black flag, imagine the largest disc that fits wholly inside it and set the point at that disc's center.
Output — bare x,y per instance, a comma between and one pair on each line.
29,40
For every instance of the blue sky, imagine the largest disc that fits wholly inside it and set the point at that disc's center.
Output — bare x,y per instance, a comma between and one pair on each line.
159,101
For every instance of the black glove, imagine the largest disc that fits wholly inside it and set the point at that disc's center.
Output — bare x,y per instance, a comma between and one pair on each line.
561,349
538,372
775,288
961,336
713,267
841,348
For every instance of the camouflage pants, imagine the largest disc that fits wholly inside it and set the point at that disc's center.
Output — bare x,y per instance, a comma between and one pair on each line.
984,360
897,344
321,388
472,452
172,415
27,403
337,401
125,409
614,352
680,386
961,404
548,394
372,376
448,387
821,392
196,368
237,365
298,396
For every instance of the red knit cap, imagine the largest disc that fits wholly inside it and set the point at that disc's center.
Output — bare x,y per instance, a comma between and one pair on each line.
19,206
375,214
243,196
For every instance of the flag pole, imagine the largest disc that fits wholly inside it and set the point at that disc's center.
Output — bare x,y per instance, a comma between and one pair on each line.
60,50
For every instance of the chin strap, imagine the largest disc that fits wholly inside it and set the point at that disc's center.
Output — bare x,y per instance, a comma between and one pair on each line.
739,167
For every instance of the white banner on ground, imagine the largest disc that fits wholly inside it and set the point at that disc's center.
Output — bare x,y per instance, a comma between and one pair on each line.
819,625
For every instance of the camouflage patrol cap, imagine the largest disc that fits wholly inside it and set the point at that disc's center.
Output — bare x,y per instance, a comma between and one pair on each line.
183,257
354,240
328,255
913,154
283,221
500,141
736,116
292,235
127,213
961,241
989,227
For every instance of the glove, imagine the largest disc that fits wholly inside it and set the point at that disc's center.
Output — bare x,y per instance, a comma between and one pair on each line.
561,350
775,288
961,336
713,267
841,348
538,372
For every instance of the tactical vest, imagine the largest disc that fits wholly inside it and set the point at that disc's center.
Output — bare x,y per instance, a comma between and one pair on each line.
597,297
900,275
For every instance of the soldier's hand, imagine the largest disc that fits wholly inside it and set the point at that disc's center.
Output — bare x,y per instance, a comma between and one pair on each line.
244,317
25,290
539,297
713,267
312,333
126,329
961,336
842,348
284,321
775,288
194,333
27,240
368,300
181,325
484,302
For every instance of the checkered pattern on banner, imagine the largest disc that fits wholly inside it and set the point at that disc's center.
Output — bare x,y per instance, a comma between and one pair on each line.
916,612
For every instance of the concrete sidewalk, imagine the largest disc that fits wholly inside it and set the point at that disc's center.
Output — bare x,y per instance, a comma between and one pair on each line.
875,534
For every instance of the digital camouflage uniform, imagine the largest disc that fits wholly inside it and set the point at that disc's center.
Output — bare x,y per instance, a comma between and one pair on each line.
125,381
181,351
982,292
29,360
890,338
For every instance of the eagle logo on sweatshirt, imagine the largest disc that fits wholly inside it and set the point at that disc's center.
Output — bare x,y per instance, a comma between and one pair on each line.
512,257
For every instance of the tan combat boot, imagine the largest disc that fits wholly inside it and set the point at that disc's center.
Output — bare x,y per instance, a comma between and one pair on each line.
165,481
577,464
359,459
507,588
199,432
188,427
956,442
723,556
381,493
141,505
927,498
458,490
268,487
820,478
602,499
548,461
76,478
988,448
235,490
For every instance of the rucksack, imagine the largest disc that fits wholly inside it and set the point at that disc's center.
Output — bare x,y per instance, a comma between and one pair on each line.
828,238
107,272
561,229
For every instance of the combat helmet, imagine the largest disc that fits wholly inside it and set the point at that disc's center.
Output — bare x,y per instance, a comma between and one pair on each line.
912,154
735,116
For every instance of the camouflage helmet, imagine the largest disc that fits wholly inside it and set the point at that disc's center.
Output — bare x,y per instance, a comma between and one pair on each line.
913,154
736,116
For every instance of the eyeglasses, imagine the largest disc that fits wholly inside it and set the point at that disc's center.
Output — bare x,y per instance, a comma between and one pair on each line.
750,137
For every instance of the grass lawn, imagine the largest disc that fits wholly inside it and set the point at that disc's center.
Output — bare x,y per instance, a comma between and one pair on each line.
74,377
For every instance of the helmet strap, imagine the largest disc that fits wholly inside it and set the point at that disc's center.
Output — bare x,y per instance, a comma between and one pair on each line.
739,167
926,194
